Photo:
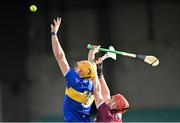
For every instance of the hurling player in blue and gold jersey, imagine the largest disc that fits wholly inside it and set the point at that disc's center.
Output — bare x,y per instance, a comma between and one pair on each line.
79,85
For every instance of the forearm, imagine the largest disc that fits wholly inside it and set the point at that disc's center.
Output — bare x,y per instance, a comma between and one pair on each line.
91,55
59,54
97,92
104,88
57,49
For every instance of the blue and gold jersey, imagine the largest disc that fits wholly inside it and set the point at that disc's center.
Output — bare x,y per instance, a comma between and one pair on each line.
78,98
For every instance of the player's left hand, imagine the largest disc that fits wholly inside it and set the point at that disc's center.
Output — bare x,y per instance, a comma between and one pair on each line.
56,25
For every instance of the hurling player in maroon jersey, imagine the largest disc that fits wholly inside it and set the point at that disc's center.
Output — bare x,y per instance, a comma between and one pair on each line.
110,108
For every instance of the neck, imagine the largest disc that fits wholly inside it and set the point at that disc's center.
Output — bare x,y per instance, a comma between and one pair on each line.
108,102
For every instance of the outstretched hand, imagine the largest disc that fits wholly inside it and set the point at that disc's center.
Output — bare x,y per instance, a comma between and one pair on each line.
95,48
55,26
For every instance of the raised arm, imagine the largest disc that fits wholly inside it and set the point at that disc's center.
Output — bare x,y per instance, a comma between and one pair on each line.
96,84
97,92
56,46
104,87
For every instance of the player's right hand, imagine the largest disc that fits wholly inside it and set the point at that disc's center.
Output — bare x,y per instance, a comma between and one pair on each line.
96,48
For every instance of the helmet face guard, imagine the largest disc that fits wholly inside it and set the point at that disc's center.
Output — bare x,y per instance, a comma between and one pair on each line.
85,69
121,102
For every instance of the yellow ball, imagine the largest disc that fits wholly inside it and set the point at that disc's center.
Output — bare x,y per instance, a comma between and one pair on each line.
33,8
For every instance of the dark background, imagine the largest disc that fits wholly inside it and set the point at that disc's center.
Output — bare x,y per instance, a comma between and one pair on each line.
31,84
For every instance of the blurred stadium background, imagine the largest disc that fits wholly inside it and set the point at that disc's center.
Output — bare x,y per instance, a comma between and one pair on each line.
31,84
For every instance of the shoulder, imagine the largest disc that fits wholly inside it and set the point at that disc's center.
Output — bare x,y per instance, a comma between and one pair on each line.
71,73
71,77
102,107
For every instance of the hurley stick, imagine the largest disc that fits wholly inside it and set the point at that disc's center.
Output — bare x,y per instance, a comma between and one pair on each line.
152,60
109,54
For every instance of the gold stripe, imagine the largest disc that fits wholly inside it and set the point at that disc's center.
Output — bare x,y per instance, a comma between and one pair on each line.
78,96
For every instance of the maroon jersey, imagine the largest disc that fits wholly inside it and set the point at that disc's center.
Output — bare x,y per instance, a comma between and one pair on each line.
105,114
